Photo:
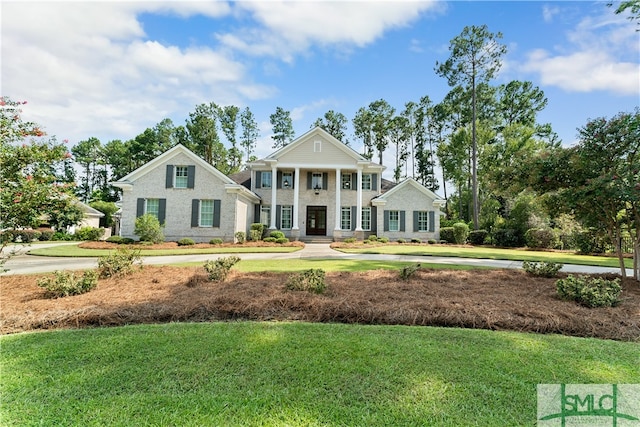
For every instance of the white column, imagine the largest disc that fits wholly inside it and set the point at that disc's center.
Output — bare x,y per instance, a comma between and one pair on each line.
359,201
274,186
296,199
338,202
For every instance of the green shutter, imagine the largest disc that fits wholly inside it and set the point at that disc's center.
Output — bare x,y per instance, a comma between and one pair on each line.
374,219
402,220
191,177
162,210
278,216
432,221
195,212
415,221
278,180
374,181
216,212
354,218
386,220
169,177
325,181
139,207
354,181
258,179
309,179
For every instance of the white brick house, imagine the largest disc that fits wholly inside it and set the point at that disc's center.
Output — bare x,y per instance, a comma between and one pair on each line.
315,186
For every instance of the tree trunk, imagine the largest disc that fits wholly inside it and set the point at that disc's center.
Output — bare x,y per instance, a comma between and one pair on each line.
474,153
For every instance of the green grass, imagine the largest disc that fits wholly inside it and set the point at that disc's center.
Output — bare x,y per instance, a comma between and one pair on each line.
294,374
488,253
75,251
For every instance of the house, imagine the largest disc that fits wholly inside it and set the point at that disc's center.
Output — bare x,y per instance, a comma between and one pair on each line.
315,187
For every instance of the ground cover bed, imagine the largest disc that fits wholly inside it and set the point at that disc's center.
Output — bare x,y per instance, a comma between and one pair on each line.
484,299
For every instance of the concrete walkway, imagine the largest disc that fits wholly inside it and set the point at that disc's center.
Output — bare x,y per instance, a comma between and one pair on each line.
23,263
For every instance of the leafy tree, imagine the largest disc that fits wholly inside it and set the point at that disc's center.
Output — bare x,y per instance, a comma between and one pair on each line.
633,6
250,132
149,229
166,135
475,58
363,130
107,208
117,155
229,122
400,135
204,140
282,127
519,102
381,115
335,124
87,155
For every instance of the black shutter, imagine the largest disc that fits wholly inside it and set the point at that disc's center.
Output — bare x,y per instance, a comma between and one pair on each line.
258,179
195,212
402,220
216,212
325,181
374,181
278,216
386,220
256,214
140,207
191,177
415,221
309,179
432,221
354,217
169,177
279,180
354,181
374,219
162,210
293,179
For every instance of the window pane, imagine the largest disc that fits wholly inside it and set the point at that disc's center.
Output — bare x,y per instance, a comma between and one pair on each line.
394,220
423,221
152,207
206,213
265,215
345,216
346,180
366,219
366,181
266,180
287,179
181,177
316,181
286,217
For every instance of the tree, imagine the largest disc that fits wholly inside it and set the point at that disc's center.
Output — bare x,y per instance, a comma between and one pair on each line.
229,123
282,128
335,124
400,135
204,140
633,6
520,102
30,190
381,115
363,130
87,155
249,132
475,58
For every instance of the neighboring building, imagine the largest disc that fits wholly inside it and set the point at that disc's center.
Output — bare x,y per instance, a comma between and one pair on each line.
314,187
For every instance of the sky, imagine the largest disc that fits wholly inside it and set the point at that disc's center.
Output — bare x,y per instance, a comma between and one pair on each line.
111,69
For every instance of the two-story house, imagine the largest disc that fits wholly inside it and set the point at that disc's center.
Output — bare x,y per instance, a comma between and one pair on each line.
314,186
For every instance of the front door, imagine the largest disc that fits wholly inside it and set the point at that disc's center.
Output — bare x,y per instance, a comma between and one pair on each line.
316,220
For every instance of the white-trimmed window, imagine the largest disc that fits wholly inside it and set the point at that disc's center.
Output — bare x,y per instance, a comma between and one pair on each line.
316,180
345,217
317,146
346,181
287,180
206,213
366,181
366,219
181,177
423,221
152,207
394,220
265,215
265,179
287,218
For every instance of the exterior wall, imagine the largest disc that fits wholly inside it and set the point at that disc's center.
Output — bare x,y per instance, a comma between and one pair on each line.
179,203
305,153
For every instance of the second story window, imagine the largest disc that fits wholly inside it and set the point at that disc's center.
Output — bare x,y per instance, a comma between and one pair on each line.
265,179
346,181
182,177
366,181
316,181
287,180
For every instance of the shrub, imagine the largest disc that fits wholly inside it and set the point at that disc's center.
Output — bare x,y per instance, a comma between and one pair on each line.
372,238
589,242
115,239
119,263
108,209
45,235
282,240
65,283
447,234
383,239
148,229
241,237
216,241
543,238
460,232
89,233
311,280
277,234
218,270
256,231
62,236
416,240
477,237
431,241
408,271
401,240
506,237
450,222
542,269
350,240
590,291
269,239
186,241
21,236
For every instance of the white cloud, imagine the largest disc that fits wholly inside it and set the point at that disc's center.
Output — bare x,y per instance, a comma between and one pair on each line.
602,55
548,12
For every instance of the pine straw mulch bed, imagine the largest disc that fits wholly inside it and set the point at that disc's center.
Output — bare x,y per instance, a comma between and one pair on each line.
487,299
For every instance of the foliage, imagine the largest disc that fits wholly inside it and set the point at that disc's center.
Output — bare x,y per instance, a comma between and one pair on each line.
186,241
108,209
89,233
282,240
241,237
506,238
120,240
541,238
217,241
383,239
256,231
45,235
219,269
590,291
277,234
119,263
400,240
590,241
250,131
270,239
542,269
448,234
312,280
350,240
19,236
335,124
282,124
460,233
148,229
62,236
372,238
416,240
65,283
408,271
633,6
478,237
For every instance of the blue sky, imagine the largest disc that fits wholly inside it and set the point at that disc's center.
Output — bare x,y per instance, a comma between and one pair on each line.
112,69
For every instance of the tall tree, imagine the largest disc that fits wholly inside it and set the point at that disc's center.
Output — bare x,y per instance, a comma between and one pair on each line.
87,155
229,123
399,135
520,102
381,113
475,58
250,132
335,124
363,130
282,128
204,140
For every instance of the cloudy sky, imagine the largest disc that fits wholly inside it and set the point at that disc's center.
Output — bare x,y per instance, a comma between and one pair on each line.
112,69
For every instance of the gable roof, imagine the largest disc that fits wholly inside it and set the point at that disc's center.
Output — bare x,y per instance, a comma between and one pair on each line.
410,182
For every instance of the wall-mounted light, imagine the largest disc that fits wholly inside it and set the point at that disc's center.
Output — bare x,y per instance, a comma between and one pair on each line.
286,184
317,189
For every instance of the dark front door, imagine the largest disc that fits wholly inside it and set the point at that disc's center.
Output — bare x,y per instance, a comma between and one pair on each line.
316,220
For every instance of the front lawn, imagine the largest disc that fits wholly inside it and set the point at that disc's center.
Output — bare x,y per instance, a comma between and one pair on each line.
294,374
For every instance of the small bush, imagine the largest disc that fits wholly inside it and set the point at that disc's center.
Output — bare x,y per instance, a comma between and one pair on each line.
447,233
506,237
217,241
311,280
401,240
148,228
350,240
45,235
383,239
372,238
589,242
29,235
408,271
416,240
218,270
114,239
256,232
269,239
477,237
590,291
241,237
542,269
542,238
65,283
119,263
89,233
277,234
460,232
62,236
282,240
186,242
432,241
